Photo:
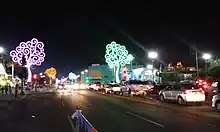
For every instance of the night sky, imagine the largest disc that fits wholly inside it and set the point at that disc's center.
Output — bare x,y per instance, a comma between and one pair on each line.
75,33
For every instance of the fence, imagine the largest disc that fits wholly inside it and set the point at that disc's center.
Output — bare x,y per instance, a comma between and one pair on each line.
79,123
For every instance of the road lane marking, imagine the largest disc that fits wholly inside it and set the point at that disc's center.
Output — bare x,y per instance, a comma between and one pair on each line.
150,121
211,125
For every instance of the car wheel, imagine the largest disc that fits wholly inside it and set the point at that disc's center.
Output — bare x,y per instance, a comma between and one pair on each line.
180,101
217,105
162,98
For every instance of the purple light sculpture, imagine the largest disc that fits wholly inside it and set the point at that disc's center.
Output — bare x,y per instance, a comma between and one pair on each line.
32,51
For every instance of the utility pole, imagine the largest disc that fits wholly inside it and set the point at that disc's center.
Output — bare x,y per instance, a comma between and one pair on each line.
197,63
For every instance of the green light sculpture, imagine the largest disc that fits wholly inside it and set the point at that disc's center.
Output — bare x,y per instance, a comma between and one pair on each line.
116,56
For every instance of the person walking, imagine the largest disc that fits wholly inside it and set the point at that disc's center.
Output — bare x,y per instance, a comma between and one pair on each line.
2,89
6,89
16,89
10,89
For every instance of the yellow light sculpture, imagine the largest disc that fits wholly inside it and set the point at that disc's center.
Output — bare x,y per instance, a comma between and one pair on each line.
179,65
51,73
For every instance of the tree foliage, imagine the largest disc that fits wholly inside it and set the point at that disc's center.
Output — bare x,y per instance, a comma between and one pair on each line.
172,76
214,69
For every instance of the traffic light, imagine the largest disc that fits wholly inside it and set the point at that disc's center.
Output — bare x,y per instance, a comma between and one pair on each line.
87,79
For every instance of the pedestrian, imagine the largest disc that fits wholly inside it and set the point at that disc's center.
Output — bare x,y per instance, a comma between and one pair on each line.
10,89
16,89
6,89
2,88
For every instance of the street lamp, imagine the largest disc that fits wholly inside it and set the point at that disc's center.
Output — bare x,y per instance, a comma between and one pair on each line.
130,57
152,55
1,56
1,50
86,70
82,72
206,57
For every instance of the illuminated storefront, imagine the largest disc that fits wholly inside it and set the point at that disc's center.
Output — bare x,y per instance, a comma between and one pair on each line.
145,74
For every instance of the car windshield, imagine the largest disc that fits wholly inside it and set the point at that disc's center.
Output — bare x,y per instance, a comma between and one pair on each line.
115,85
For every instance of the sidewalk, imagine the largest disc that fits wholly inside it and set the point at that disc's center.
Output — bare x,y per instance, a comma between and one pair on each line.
40,90
8,97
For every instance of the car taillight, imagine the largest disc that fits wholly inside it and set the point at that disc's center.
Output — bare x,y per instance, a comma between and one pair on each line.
204,83
186,91
205,86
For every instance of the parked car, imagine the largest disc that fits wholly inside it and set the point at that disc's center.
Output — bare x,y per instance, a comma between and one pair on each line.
216,102
136,87
61,86
113,88
157,88
96,86
182,93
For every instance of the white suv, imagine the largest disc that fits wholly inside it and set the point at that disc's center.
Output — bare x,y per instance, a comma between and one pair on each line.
216,102
182,93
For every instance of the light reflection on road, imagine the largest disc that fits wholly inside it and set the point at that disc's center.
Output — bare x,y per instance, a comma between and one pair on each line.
75,98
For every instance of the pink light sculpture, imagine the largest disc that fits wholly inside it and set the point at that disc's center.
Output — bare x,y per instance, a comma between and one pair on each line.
33,53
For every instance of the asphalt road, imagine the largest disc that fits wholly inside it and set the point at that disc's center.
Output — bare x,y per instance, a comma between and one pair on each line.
48,113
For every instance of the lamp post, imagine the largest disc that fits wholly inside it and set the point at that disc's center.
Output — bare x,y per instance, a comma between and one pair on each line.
153,55
82,76
206,57
150,67
1,50
131,58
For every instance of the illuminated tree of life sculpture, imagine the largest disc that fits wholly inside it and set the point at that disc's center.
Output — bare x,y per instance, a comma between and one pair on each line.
32,51
116,56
